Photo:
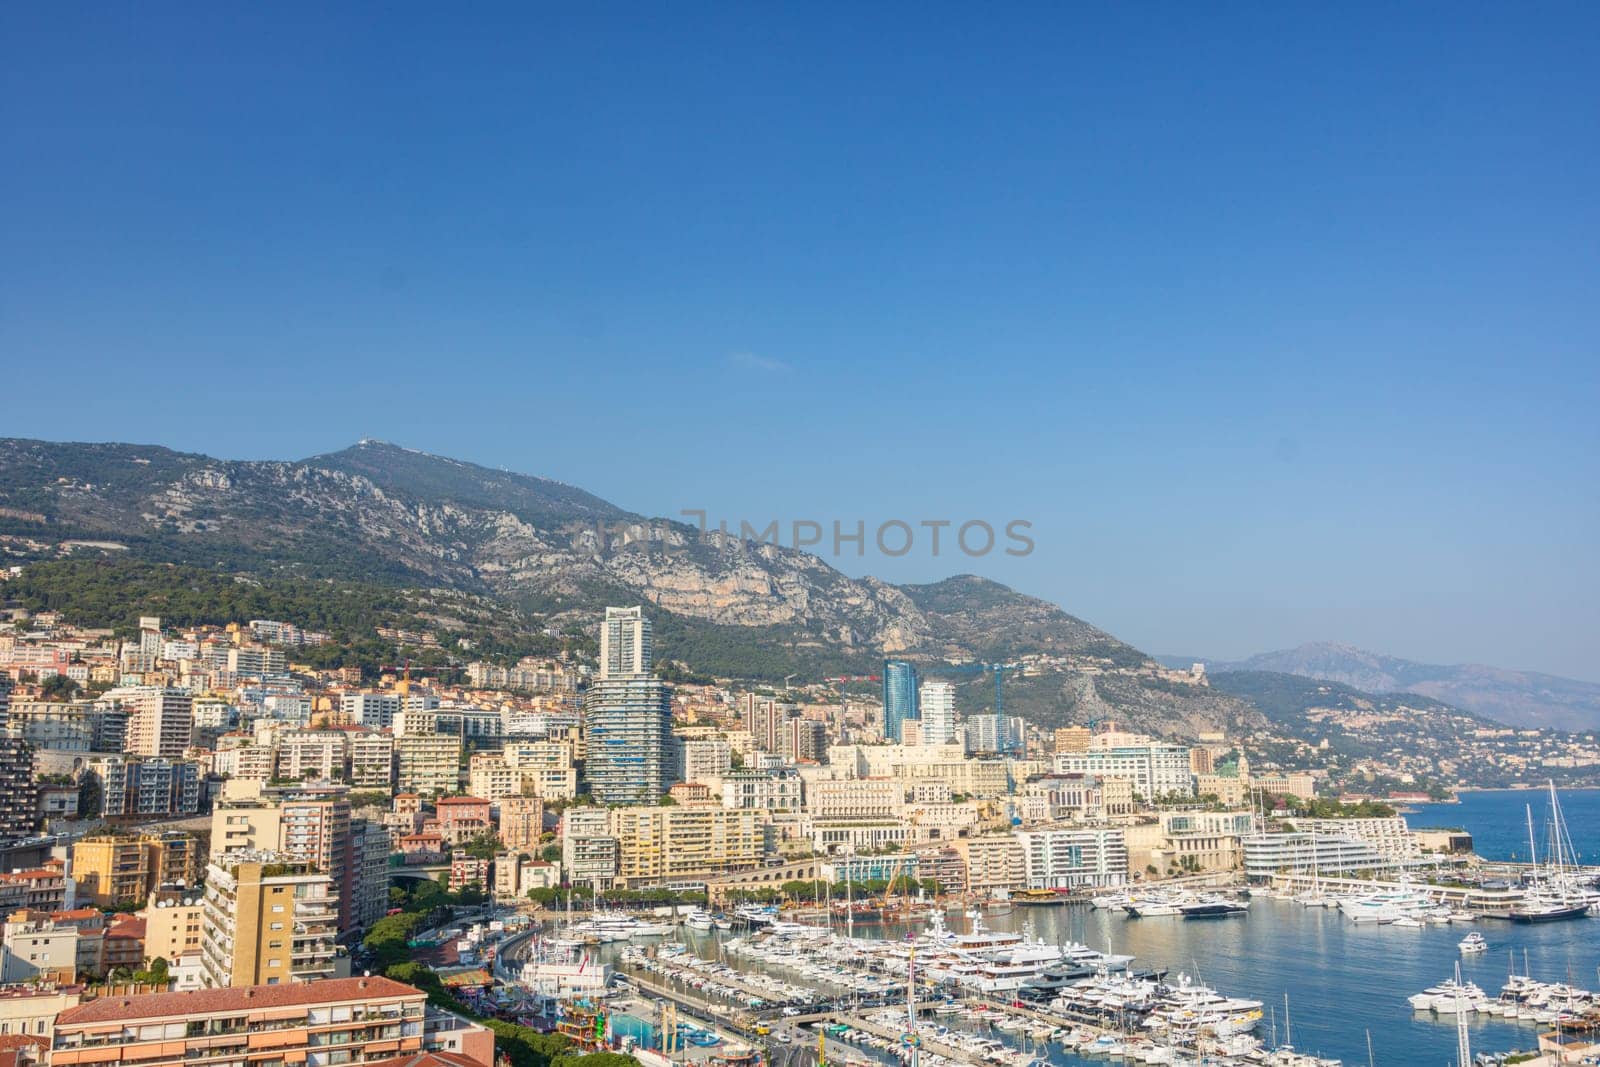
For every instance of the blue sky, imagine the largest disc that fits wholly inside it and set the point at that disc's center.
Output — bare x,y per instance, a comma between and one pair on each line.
1278,323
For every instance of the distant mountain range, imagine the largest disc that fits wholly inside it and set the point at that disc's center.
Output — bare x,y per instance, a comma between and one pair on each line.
380,513
1517,698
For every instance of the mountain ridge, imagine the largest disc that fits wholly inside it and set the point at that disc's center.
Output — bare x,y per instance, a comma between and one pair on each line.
1517,698
380,512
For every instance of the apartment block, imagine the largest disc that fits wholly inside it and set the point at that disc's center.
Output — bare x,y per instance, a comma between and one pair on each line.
429,764
1084,858
145,786
659,844
322,1024
19,801
113,869
270,919
173,927
372,761
521,822
160,720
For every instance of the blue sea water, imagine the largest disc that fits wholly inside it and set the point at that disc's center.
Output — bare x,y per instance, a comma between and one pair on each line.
1343,980
1498,820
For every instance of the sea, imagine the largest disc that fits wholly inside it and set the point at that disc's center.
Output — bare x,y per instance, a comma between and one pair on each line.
1327,983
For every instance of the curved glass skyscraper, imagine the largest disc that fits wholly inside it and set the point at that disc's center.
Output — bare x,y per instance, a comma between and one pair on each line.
899,697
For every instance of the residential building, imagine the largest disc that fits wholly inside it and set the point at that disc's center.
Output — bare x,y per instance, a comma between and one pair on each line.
309,821
323,1024
992,734
32,1010
19,799
705,760
1078,858
665,844
1072,739
937,702
145,786
371,842
372,760
545,768
490,777
521,824
626,645
899,697
160,720
40,889
631,757
460,819
34,948
377,710
468,871
589,851
1155,769
118,869
995,862
270,918
429,764
173,927
319,754
62,726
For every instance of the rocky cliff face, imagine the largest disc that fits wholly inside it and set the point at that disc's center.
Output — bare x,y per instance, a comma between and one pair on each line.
380,512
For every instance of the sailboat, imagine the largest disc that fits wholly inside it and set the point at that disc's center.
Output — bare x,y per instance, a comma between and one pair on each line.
1555,896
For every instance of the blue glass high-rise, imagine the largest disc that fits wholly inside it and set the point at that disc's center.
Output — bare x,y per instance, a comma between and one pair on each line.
899,697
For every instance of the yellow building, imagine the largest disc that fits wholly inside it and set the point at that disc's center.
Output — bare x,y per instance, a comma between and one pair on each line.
267,919
663,844
113,869
173,928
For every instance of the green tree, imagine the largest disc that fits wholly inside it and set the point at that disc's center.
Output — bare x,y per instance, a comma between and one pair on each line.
59,687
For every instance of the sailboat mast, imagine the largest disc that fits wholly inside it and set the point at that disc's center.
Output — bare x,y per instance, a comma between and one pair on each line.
849,907
1533,851
911,1006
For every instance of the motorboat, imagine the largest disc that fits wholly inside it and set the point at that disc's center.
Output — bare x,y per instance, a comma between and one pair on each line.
1473,942
1214,908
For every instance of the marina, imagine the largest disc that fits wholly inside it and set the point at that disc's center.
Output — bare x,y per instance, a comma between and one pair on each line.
1291,977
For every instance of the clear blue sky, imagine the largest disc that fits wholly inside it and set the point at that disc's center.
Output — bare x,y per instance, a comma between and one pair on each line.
1279,322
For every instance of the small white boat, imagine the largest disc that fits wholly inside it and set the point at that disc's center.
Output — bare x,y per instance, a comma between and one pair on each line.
1474,942
1408,922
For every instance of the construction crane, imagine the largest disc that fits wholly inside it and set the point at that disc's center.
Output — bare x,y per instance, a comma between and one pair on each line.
998,669
855,678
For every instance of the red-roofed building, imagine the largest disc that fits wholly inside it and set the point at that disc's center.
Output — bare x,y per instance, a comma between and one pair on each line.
422,848
460,819
317,1024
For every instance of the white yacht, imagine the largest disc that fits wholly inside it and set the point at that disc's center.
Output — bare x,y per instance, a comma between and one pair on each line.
1473,942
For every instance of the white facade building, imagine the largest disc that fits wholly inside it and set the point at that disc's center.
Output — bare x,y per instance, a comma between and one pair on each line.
938,703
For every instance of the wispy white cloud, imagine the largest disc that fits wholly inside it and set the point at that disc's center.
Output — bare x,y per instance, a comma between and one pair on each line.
754,361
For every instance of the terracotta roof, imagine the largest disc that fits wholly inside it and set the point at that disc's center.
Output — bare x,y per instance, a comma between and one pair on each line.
459,800
126,926
76,913
429,1059
247,998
